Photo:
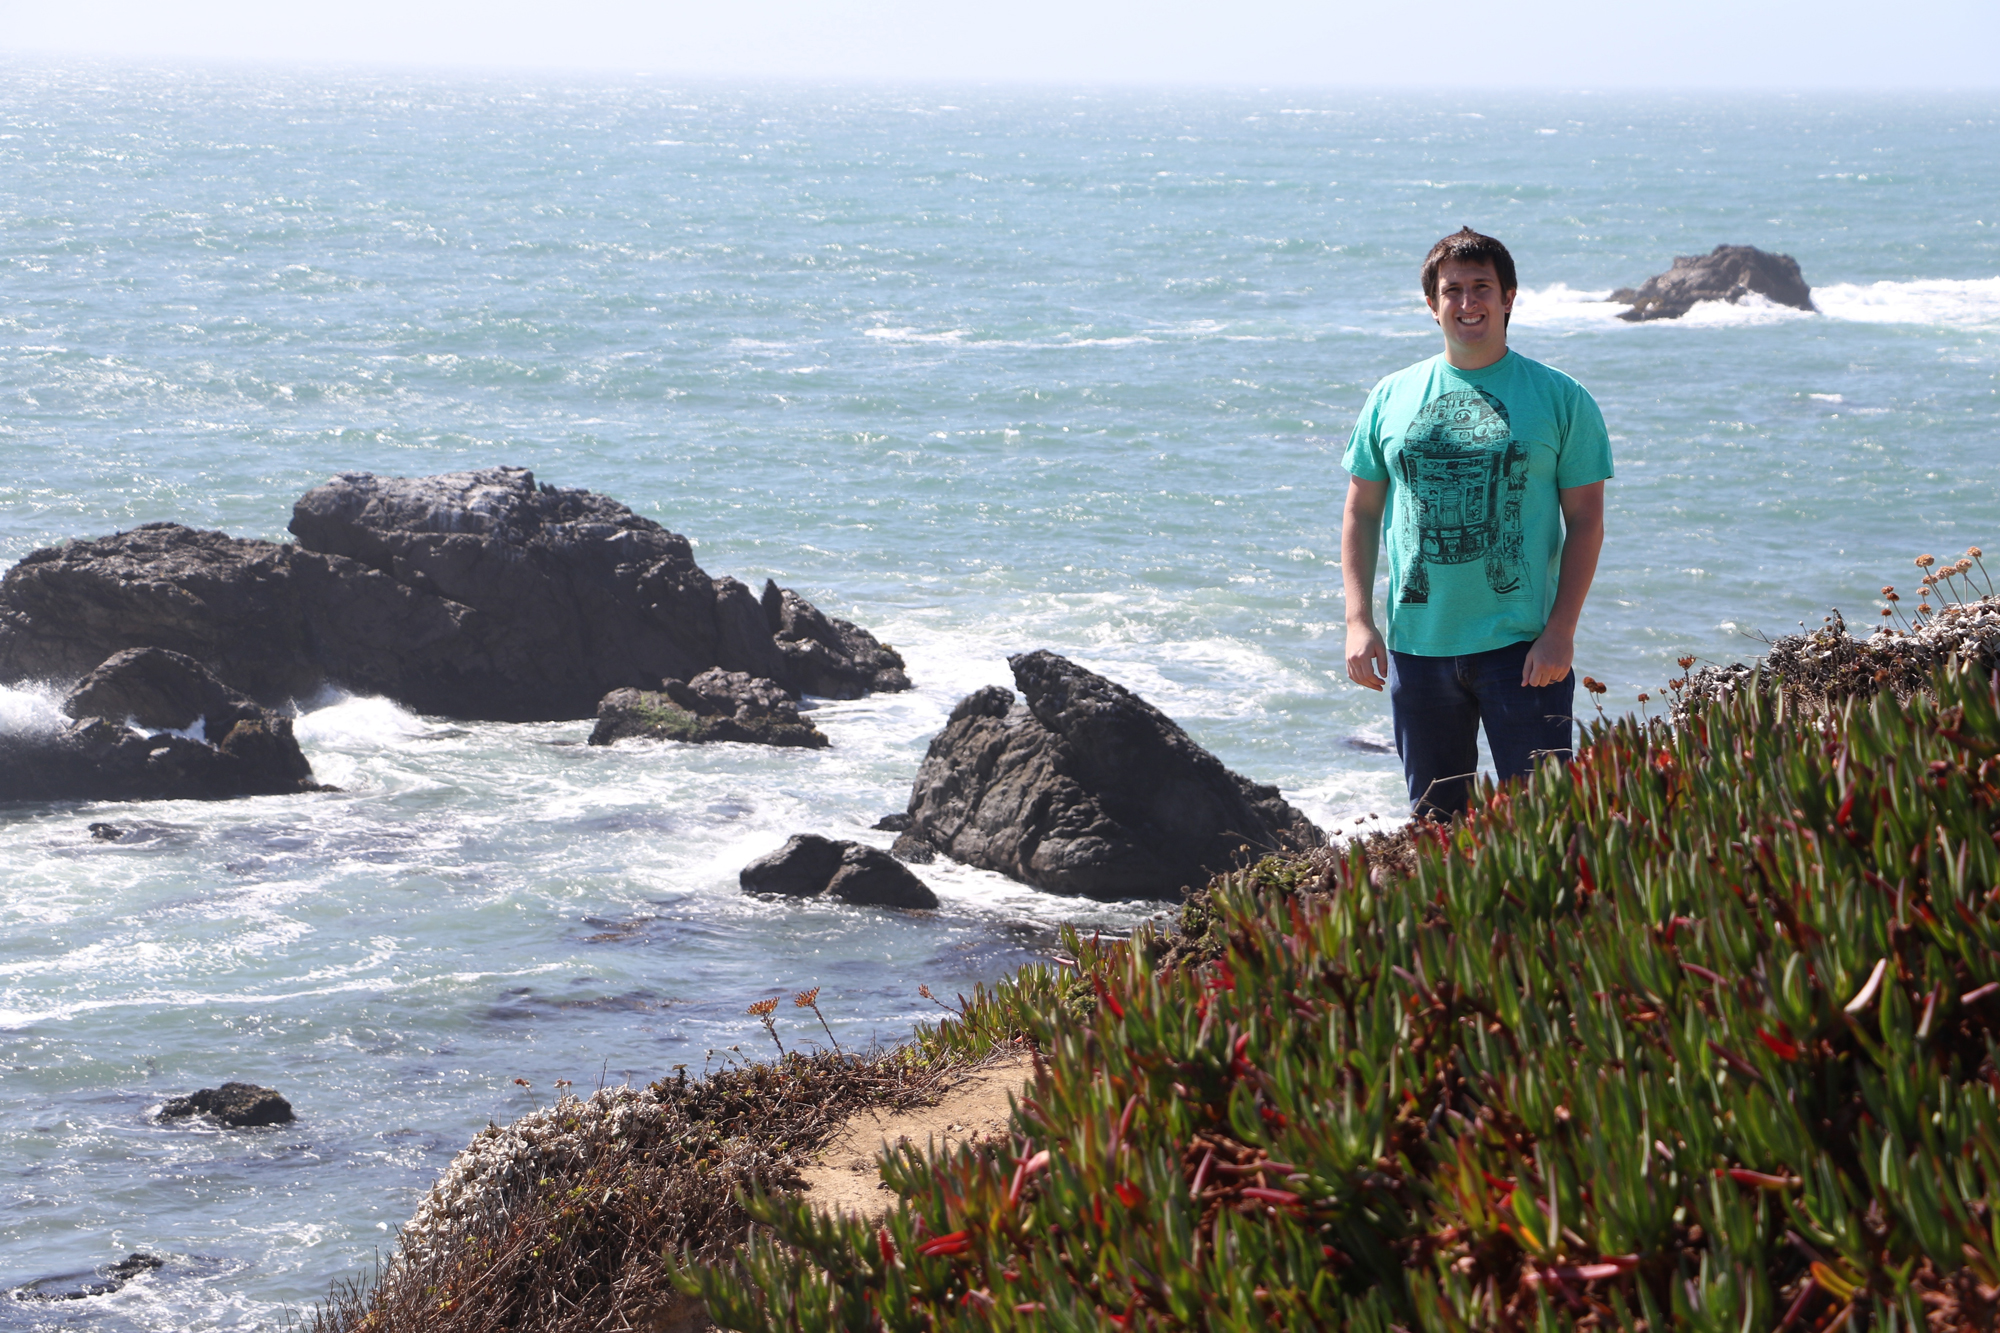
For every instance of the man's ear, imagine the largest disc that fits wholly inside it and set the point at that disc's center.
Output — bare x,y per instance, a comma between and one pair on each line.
1509,295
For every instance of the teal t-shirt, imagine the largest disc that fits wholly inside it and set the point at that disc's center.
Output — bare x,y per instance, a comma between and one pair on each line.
1473,529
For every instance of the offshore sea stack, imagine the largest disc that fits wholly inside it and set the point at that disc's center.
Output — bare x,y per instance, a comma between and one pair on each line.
150,724
1084,788
1727,273
477,595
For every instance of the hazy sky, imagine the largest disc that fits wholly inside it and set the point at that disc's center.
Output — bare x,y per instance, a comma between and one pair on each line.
1597,44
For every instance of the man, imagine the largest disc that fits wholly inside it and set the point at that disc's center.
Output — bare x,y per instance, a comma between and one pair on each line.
1490,471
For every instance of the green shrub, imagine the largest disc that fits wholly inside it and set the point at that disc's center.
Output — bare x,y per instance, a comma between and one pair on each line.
1697,1033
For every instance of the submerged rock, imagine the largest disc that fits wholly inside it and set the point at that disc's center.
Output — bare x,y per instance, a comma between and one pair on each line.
717,705
471,594
97,1282
154,725
1727,273
809,865
1087,789
236,1105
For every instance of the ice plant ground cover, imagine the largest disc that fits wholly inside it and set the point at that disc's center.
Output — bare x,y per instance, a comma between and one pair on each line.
1699,1034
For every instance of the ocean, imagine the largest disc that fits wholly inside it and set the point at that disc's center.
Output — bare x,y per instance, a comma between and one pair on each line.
985,369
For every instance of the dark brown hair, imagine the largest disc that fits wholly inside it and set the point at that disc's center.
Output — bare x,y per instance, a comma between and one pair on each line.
1468,247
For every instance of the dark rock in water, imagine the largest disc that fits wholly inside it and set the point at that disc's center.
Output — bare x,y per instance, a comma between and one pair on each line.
97,1282
717,705
237,1105
160,691
809,865
472,594
800,869
899,822
911,847
1366,746
1088,789
870,877
106,832
197,740
825,656
230,604
1727,273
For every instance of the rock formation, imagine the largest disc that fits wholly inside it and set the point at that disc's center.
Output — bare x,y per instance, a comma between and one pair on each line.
236,1105
808,866
154,725
1087,789
825,656
717,705
96,1282
471,594
1727,273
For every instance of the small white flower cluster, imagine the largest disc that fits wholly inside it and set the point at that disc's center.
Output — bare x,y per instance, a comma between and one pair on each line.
502,1159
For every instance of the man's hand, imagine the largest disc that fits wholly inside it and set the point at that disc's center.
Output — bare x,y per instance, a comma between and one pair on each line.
1367,656
1548,660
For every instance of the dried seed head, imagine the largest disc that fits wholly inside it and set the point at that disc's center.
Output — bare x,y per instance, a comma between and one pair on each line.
805,999
1686,662
1923,608
1594,686
1643,696
762,1007
1894,597
1887,612
1974,552
1888,588
1926,561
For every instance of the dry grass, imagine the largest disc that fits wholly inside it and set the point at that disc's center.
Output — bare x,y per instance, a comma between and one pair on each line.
563,1221
1823,668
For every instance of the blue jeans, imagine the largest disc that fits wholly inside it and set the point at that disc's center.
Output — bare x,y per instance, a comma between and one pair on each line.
1439,703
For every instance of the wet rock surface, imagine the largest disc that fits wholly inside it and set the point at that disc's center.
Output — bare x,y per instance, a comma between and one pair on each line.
809,865
235,1105
1727,273
480,595
1084,788
717,705
824,655
149,724
97,1282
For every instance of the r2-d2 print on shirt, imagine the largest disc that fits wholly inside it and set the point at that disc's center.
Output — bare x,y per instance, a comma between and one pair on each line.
1466,475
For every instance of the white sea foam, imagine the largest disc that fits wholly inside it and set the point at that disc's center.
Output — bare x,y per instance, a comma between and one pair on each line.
27,710
1954,303
359,722
1951,303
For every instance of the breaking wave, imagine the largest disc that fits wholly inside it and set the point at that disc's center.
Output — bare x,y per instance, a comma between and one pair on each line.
1948,303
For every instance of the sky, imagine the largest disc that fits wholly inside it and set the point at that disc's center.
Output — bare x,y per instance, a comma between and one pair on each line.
1602,45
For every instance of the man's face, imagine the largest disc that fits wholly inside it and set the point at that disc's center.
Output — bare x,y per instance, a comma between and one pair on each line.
1472,309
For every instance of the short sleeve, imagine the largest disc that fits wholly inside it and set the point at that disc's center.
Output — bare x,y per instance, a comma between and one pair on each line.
1586,445
1363,458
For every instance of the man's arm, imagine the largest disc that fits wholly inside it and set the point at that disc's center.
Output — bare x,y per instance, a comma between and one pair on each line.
1583,537
1360,544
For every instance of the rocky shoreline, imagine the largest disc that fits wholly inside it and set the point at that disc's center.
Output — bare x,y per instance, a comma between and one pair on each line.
485,595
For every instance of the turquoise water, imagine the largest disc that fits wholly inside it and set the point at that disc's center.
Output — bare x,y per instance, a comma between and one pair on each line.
985,370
